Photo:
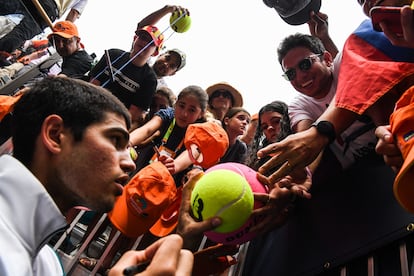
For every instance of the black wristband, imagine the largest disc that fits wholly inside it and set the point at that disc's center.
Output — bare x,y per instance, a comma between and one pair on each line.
326,128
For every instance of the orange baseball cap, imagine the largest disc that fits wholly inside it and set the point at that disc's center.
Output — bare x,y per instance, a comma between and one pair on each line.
402,128
143,200
209,140
64,29
7,104
169,218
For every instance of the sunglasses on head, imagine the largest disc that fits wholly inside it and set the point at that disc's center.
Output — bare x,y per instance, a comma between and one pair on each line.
223,93
304,65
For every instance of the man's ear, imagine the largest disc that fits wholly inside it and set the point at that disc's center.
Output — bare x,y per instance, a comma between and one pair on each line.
51,133
328,58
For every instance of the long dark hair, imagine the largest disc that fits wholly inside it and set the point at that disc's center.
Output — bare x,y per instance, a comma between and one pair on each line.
260,140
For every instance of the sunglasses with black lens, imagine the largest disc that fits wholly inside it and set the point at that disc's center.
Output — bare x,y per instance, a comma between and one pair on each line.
304,65
223,93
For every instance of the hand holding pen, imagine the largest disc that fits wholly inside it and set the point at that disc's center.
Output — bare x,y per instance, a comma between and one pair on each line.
163,257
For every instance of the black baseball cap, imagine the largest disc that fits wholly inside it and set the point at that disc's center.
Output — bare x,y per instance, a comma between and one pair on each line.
294,12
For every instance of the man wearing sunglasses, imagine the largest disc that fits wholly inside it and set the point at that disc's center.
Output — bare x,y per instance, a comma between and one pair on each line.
314,74
374,73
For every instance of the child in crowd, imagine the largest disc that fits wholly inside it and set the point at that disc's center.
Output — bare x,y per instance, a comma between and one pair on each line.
172,124
235,122
164,97
273,126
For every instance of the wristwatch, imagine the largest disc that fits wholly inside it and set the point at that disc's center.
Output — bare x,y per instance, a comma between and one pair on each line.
326,128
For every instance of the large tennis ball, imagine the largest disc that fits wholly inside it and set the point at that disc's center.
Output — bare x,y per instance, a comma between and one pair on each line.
243,233
180,23
225,194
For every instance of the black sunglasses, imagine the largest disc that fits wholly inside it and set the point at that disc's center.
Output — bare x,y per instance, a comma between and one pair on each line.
304,65
223,93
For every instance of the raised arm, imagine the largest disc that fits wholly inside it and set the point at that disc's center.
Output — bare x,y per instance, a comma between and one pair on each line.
139,135
156,16
300,149
318,26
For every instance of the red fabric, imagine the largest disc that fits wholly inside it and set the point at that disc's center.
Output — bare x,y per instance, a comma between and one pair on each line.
371,67
7,103
366,74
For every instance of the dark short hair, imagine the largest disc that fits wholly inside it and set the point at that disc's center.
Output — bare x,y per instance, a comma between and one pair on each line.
312,43
79,103
167,93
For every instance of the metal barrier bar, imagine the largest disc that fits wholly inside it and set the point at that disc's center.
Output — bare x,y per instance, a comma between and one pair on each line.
343,271
70,267
106,251
371,266
67,232
404,259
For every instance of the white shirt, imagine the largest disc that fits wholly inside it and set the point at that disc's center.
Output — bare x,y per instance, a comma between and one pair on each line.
28,219
304,107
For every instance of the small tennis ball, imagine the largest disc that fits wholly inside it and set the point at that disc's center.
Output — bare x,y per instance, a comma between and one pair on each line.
180,25
225,194
133,153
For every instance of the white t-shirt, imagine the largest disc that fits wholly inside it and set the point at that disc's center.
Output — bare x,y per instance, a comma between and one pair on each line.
349,146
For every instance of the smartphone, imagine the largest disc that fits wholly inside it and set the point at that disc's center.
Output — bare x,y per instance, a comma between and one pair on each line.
389,15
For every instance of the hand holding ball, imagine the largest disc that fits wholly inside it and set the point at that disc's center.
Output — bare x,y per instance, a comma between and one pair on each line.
225,194
180,23
242,233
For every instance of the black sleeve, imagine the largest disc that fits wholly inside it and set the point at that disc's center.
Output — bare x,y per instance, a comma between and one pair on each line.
146,91
77,65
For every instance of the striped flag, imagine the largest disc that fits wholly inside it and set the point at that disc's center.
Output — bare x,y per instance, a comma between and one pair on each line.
371,66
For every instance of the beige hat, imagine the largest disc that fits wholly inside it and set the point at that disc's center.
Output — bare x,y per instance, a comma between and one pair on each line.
237,97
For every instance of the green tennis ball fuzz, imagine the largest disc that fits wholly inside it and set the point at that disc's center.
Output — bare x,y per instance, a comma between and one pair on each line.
180,25
225,194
